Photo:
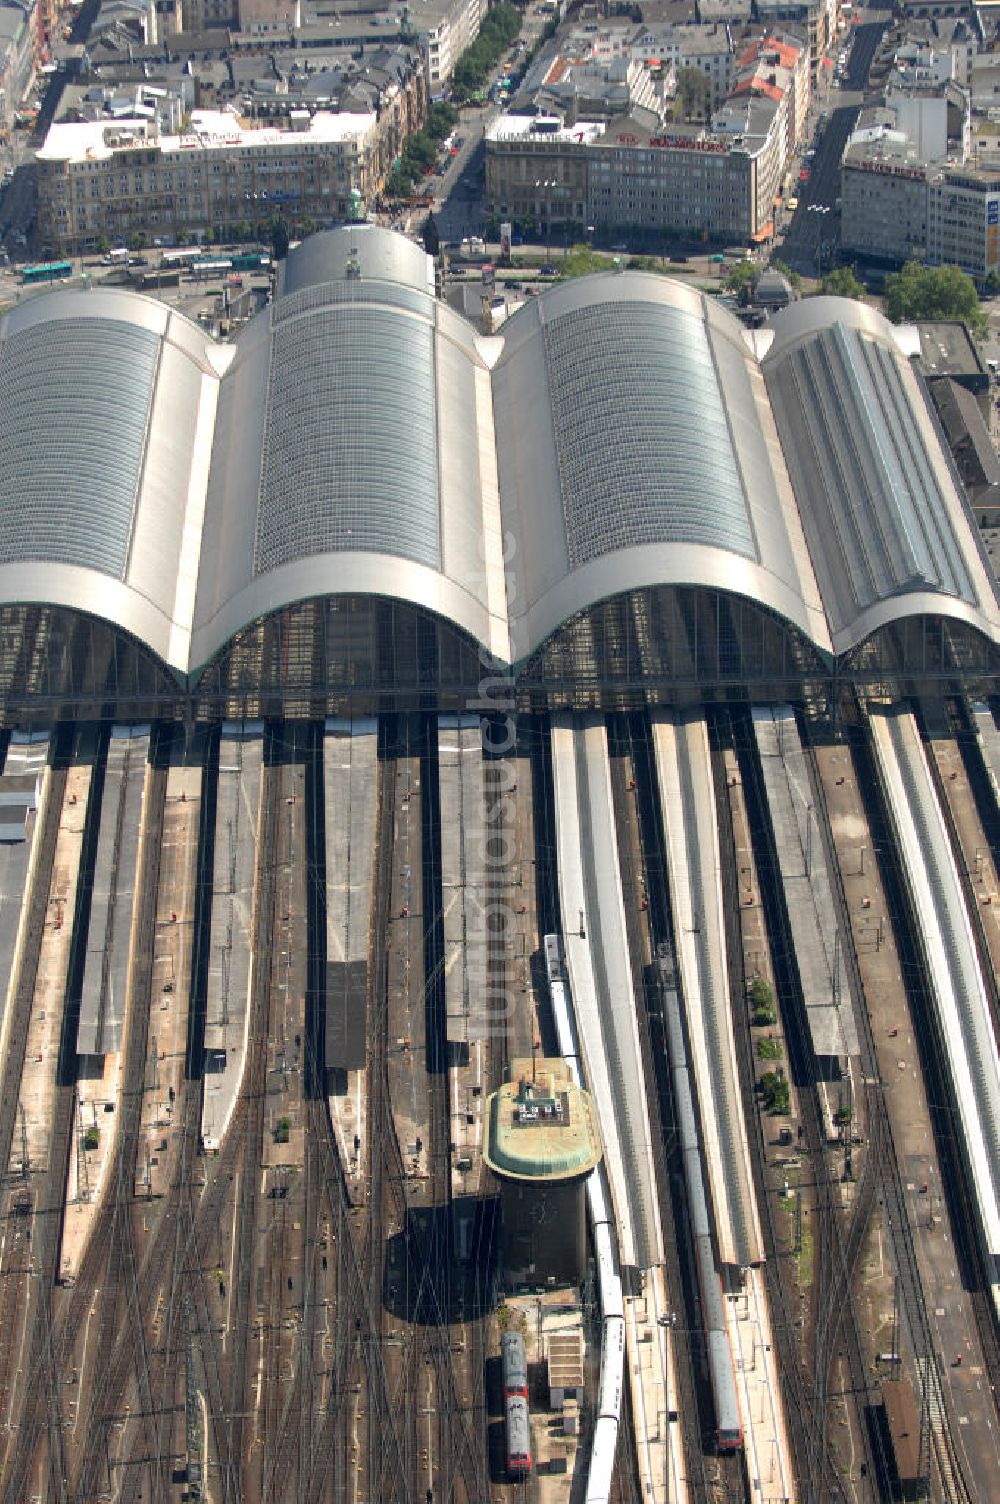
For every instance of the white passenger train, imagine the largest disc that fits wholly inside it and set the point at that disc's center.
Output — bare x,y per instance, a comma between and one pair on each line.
728,1425
599,1206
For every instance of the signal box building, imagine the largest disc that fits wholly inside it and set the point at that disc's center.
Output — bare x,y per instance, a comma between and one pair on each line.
542,1143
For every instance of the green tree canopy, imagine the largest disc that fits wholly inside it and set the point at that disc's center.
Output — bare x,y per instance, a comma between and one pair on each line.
740,276
932,292
499,29
777,265
581,261
279,238
842,283
421,150
694,93
441,118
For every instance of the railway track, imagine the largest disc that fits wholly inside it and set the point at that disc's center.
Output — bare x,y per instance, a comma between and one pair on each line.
253,1091
17,1024
33,921
41,1414
285,1182
644,888
806,1394
938,1425
289,1459
111,1254
435,1237
959,727
461,1459
390,1463
19,1207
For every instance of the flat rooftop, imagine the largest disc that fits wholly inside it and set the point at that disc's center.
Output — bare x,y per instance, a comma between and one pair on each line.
542,1126
543,129
947,349
95,140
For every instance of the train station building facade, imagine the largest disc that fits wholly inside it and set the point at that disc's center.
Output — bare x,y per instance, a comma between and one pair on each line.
361,504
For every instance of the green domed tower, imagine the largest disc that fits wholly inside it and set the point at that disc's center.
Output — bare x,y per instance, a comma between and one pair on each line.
542,1142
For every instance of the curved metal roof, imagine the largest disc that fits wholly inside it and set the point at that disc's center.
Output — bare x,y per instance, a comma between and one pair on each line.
353,453
332,418
636,448
106,406
887,522
377,253
359,438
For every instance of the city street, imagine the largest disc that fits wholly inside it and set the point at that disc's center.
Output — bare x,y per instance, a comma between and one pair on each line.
812,235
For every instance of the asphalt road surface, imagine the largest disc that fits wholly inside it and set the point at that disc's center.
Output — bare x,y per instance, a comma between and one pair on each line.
810,243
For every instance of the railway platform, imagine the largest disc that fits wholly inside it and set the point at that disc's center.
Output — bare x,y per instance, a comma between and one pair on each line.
38,1080
350,788
234,883
980,868
654,1389
171,988
768,1457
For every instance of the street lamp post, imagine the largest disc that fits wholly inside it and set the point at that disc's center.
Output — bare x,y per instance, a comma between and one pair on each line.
546,185
822,245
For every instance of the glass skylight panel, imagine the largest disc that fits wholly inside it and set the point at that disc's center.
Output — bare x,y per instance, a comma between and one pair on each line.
364,290
75,397
643,446
350,446
888,509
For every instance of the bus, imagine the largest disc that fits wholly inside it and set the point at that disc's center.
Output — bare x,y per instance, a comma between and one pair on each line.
218,266
47,271
171,259
251,261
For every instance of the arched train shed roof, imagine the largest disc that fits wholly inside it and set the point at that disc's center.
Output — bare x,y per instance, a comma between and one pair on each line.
353,454
377,254
622,433
107,406
888,525
636,448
